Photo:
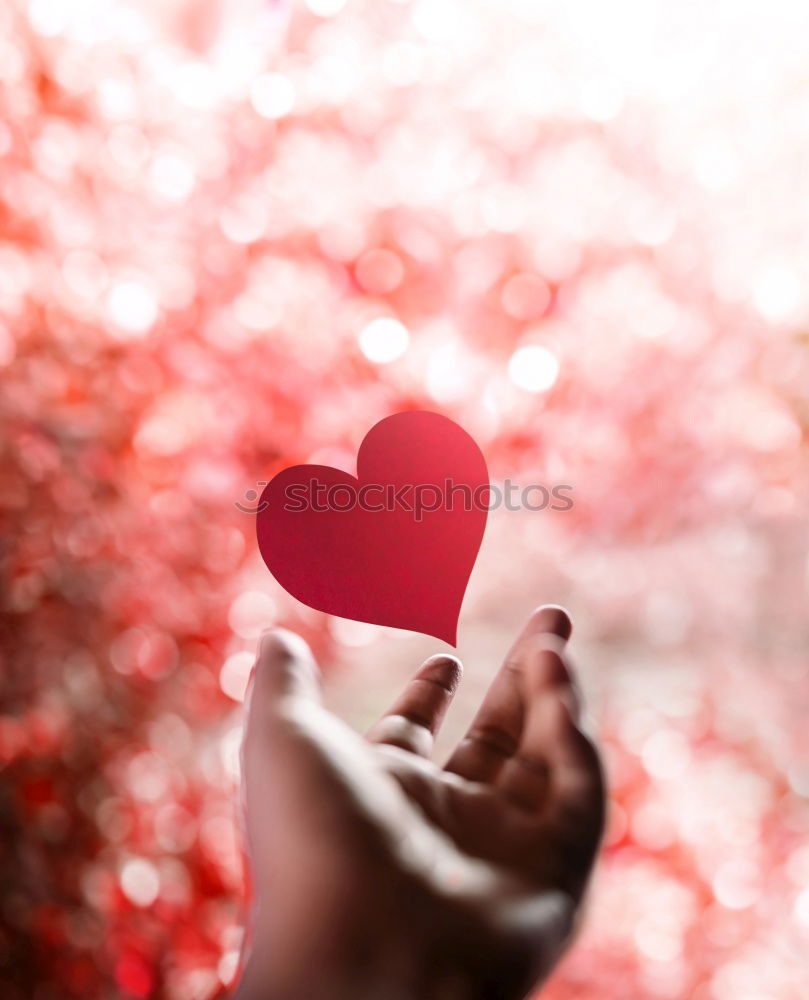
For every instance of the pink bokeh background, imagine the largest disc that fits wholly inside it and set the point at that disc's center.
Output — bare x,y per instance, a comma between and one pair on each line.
232,238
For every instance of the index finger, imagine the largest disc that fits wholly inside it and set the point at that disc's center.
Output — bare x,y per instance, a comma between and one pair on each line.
494,734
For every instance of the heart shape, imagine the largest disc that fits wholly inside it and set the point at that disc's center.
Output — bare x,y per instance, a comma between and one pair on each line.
388,566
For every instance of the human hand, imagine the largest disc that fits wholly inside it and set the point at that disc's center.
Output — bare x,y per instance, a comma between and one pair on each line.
379,874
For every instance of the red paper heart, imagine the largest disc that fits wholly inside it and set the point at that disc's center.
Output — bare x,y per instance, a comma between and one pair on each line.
384,566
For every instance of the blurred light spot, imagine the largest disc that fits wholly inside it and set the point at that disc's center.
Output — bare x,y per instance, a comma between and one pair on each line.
735,885
773,430
800,910
113,820
48,17
797,866
250,613
229,748
342,240
163,434
437,20
85,274
325,8
716,165
218,839
245,220
235,674
652,826
402,63
172,176
616,824
132,306
353,634
651,225
175,828
666,754
504,207
450,373
12,71
140,882
384,340
7,346
196,84
601,100
338,458
116,99
657,941
226,969
146,651
148,777
525,296
176,887
797,775
272,95
379,271
128,147
777,293
667,616
533,368
255,311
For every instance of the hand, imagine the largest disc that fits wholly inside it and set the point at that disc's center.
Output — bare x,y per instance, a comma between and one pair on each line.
379,874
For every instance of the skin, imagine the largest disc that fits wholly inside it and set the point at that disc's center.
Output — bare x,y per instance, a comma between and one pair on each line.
378,873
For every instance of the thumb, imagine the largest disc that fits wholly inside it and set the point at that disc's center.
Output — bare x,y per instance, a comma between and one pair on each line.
284,668
285,672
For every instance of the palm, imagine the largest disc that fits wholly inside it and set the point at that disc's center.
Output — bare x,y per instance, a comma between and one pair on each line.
494,848
483,824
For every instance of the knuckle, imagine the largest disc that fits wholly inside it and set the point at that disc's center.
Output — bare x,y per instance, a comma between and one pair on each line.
533,763
493,738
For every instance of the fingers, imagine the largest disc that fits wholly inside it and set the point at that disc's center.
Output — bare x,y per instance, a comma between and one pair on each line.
414,718
572,816
551,711
555,776
556,772
284,668
576,802
495,732
304,772
551,619
298,759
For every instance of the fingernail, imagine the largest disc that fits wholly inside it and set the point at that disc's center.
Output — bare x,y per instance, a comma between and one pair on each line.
556,620
280,644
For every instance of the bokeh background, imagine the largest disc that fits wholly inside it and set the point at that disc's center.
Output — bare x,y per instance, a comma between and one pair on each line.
234,235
